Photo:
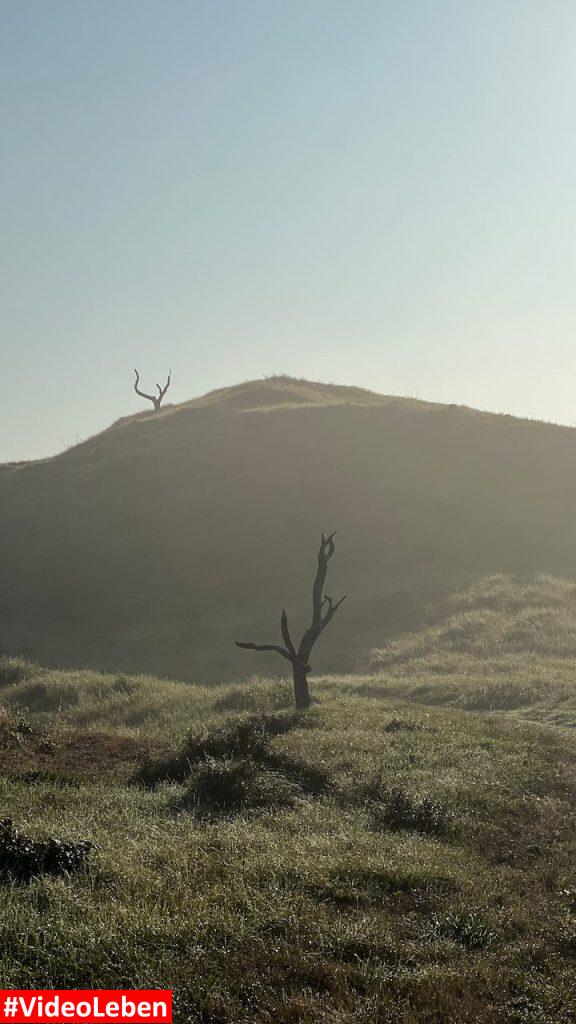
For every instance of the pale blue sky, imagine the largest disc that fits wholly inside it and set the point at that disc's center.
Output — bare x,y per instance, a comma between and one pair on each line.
373,192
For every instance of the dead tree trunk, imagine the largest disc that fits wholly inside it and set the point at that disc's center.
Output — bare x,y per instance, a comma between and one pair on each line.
323,610
155,399
301,689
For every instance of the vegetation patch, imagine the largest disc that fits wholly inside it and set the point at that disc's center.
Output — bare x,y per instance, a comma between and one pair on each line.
398,810
68,757
312,779
23,858
260,904
124,685
469,929
255,698
243,737
13,671
225,785
49,696
505,695
401,725
233,768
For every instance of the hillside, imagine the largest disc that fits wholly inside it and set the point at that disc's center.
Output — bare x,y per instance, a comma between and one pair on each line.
401,852
156,544
504,644
375,859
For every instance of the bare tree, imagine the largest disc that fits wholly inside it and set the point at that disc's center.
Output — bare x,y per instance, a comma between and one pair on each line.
155,399
323,610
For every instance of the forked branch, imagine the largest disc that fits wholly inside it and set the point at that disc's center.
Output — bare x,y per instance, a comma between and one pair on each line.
155,399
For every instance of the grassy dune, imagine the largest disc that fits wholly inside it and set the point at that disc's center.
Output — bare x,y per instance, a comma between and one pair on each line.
165,538
404,852
503,644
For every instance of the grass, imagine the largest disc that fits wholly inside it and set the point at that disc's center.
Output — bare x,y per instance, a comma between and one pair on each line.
428,879
504,644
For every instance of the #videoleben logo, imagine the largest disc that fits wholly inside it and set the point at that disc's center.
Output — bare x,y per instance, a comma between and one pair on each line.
46,1007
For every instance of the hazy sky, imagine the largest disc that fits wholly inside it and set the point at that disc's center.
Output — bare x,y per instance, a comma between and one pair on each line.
373,192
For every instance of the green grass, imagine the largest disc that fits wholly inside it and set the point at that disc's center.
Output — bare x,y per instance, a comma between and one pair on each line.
502,645
293,904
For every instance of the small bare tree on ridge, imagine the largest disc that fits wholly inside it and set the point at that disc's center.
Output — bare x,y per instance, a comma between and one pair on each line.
323,610
155,399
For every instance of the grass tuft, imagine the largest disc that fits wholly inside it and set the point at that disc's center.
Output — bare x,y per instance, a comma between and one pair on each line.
219,785
469,929
244,737
397,810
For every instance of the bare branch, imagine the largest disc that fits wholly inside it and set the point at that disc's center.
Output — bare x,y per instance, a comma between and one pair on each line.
320,618
166,386
155,399
332,609
264,647
162,390
151,398
325,553
286,633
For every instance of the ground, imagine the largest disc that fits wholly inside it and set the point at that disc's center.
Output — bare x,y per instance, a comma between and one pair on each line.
391,855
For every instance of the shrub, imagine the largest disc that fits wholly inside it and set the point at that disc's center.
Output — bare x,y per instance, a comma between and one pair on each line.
22,858
232,767
233,784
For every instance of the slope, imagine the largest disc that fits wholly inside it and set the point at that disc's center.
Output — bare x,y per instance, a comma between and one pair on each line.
504,644
370,860
156,544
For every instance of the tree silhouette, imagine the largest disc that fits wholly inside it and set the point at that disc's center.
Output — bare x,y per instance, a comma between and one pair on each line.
155,399
323,610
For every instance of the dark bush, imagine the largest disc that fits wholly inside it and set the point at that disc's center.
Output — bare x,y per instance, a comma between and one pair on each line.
23,858
398,811
232,767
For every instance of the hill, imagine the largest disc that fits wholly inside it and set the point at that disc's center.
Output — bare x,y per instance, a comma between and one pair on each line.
156,544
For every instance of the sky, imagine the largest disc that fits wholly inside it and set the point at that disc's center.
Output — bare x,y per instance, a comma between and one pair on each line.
369,192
